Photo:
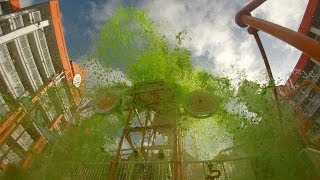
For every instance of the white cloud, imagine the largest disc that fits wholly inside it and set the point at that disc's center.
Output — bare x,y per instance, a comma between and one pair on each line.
211,26
284,12
240,109
216,41
99,12
25,3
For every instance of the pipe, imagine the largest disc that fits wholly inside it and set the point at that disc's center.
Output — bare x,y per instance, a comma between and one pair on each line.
246,10
254,32
302,42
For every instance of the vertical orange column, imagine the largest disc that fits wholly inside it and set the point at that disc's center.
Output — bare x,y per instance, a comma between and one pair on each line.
304,58
308,16
59,35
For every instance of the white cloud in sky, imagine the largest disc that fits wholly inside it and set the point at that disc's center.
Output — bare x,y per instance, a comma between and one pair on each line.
217,43
25,3
284,12
99,12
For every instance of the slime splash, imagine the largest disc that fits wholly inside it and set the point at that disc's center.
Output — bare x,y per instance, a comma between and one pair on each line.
245,117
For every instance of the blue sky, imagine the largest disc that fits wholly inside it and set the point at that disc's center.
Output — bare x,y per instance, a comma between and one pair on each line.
217,42
79,27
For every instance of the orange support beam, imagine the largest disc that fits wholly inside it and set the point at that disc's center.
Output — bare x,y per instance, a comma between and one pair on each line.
59,36
308,15
8,131
11,120
37,147
40,144
304,58
42,91
56,121
27,161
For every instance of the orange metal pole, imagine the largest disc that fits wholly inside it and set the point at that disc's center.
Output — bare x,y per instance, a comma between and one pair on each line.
254,32
302,42
247,10
115,161
297,40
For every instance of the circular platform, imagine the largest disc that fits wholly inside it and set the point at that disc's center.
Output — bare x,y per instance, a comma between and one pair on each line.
200,104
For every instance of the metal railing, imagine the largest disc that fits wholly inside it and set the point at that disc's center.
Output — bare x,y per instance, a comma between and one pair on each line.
192,170
300,41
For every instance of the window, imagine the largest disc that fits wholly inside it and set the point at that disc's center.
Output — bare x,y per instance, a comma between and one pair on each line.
16,22
9,73
4,149
17,132
3,106
11,157
29,63
22,137
44,53
313,105
35,16
1,11
25,141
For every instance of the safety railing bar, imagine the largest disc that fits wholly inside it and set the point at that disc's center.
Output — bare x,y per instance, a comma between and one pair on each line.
300,41
246,10
189,162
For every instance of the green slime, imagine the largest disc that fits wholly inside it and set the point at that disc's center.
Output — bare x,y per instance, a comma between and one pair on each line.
130,41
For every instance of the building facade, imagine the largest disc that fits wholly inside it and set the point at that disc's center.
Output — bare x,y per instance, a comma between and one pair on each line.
303,86
40,88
